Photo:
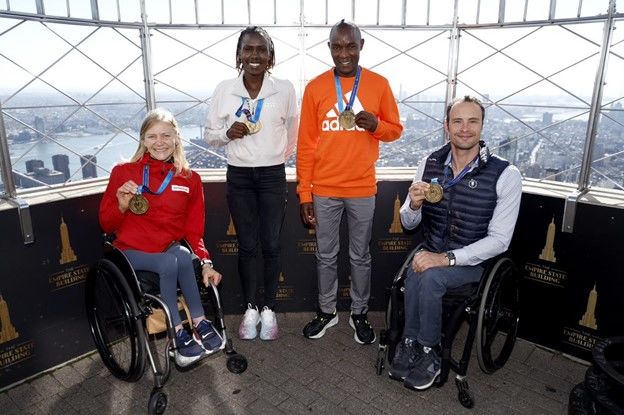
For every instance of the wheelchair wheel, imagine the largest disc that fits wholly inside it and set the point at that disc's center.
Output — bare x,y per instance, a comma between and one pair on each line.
236,363
497,322
157,402
111,311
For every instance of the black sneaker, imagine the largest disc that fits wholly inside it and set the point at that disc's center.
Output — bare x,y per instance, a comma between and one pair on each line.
426,370
364,333
317,327
407,353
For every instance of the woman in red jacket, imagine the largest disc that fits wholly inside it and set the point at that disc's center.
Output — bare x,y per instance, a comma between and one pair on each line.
150,204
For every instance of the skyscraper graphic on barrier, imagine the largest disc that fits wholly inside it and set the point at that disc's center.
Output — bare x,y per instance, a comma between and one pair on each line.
7,330
396,227
589,318
548,253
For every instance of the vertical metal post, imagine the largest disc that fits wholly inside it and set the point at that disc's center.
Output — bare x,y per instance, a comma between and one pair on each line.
5,159
569,210
95,10
40,8
353,10
403,12
23,210
146,47
453,59
302,47
553,8
501,11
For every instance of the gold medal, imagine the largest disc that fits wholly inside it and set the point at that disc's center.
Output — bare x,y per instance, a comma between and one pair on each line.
138,204
253,127
347,119
434,193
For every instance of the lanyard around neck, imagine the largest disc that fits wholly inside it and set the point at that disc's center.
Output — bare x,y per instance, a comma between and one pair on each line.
251,116
145,185
356,85
450,183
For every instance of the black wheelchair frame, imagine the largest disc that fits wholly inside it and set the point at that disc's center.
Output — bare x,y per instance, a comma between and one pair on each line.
490,307
119,301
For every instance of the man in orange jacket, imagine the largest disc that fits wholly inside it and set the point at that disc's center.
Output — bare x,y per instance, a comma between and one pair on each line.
345,113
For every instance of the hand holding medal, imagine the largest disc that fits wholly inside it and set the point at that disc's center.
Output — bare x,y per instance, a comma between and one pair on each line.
434,193
252,114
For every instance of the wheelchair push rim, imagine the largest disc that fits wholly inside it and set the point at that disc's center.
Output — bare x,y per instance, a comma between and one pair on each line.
498,317
113,319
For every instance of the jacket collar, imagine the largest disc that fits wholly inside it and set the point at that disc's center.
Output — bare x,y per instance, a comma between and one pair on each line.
268,87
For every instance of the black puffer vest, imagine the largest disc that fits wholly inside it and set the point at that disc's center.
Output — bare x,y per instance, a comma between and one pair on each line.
463,215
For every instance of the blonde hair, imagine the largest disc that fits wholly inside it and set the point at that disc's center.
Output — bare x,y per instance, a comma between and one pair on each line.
152,117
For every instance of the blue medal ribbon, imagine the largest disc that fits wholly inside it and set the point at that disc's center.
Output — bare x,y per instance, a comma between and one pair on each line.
356,85
145,185
253,118
450,183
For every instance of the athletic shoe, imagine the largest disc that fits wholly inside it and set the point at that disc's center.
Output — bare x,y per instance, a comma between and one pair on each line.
405,357
426,370
209,337
364,333
188,350
268,324
321,322
248,328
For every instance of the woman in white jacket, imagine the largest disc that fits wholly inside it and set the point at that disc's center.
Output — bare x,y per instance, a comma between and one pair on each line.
255,117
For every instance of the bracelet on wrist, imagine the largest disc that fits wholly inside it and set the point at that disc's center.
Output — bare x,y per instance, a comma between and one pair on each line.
206,262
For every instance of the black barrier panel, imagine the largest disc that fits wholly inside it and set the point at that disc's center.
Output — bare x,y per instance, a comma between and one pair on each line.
42,315
572,283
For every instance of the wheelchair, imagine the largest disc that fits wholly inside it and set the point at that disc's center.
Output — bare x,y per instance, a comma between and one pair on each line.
490,307
119,301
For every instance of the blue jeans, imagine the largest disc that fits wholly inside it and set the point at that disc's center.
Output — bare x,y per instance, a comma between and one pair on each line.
423,299
174,267
257,201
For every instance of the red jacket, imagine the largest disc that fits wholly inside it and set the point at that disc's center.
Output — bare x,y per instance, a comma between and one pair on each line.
177,213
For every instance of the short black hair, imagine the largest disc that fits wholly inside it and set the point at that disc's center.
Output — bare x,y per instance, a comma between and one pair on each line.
249,30
342,24
466,98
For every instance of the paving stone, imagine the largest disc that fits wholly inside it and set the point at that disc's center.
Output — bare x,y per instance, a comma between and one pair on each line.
25,395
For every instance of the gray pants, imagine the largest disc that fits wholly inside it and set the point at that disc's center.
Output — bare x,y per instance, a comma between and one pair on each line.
328,212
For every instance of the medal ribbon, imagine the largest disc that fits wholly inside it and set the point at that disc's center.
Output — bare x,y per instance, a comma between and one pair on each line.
356,85
145,185
250,117
450,183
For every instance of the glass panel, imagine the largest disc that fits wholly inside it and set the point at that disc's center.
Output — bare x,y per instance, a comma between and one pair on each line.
538,116
467,11
416,13
183,12
236,12
80,9
595,7
538,9
157,11
130,11
287,12
209,11
488,12
27,6
566,9
608,154
366,12
338,10
441,12
390,12
262,12
55,7
107,10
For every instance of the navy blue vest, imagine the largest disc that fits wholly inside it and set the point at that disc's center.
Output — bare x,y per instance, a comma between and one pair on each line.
463,215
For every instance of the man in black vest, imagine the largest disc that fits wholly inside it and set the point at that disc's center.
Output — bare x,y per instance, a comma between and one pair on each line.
467,202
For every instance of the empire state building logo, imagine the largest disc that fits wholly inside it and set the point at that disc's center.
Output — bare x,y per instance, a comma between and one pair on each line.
67,253
231,230
7,330
548,253
589,318
396,227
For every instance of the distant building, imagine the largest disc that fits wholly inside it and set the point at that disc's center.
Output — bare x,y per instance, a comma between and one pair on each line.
39,125
60,162
508,149
41,175
89,168
31,165
547,118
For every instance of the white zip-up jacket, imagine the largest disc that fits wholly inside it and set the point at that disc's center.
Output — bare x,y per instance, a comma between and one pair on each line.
275,142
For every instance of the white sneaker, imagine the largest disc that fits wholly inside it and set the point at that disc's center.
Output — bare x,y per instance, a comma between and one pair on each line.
268,330
248,328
